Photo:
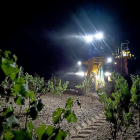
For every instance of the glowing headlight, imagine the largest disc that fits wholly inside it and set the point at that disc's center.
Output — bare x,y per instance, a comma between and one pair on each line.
79,63
107,73
115,63
109,60
80,73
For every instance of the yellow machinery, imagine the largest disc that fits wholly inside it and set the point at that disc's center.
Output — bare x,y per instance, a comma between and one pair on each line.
93,66
119,63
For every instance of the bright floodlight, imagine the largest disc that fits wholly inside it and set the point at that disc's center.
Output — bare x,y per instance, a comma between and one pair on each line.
109,59
107,73
80,73
89,38
79,63
98,36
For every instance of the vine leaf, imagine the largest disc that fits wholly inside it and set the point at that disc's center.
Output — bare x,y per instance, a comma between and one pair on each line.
8,111
30,127
26,110
8,135
59,135
32,95
22,134
12,121
57,115
69,103
40,131
49,130
20,87
32,102
19,100
9,67
70,116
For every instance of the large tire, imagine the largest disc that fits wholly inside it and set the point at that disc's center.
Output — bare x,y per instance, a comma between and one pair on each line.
109,89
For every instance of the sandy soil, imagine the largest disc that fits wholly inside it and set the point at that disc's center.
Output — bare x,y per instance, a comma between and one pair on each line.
90,106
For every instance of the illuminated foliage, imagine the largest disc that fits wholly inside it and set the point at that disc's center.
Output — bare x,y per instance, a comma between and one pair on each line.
23,86
86,84
117,108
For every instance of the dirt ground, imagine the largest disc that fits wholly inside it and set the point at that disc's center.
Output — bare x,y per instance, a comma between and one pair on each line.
90,106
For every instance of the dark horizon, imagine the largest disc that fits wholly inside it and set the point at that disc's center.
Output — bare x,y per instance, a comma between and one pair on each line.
43,35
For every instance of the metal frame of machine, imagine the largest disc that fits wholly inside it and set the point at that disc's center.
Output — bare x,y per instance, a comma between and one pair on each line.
117,62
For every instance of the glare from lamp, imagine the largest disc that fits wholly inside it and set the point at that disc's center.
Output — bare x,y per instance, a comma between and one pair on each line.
107,73
109,59
79,63
88,38
80,73
99,36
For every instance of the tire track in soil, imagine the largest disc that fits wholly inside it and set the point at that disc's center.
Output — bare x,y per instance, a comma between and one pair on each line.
84,130
91,124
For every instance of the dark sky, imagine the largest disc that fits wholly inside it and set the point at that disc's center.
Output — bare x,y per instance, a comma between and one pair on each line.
44,35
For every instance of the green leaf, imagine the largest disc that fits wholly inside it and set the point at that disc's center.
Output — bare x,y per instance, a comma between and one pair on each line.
20,87
6,54
70,116
12,121
19,100
6,128
15,58
8,135
100,91
40,131
40,105
33,113
49,130
60,135
21,135
32,95
32,102
30,127
8,111
69,103
26,110
9,67
57,115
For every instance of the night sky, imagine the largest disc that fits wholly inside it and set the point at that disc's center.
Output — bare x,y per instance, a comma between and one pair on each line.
44,36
